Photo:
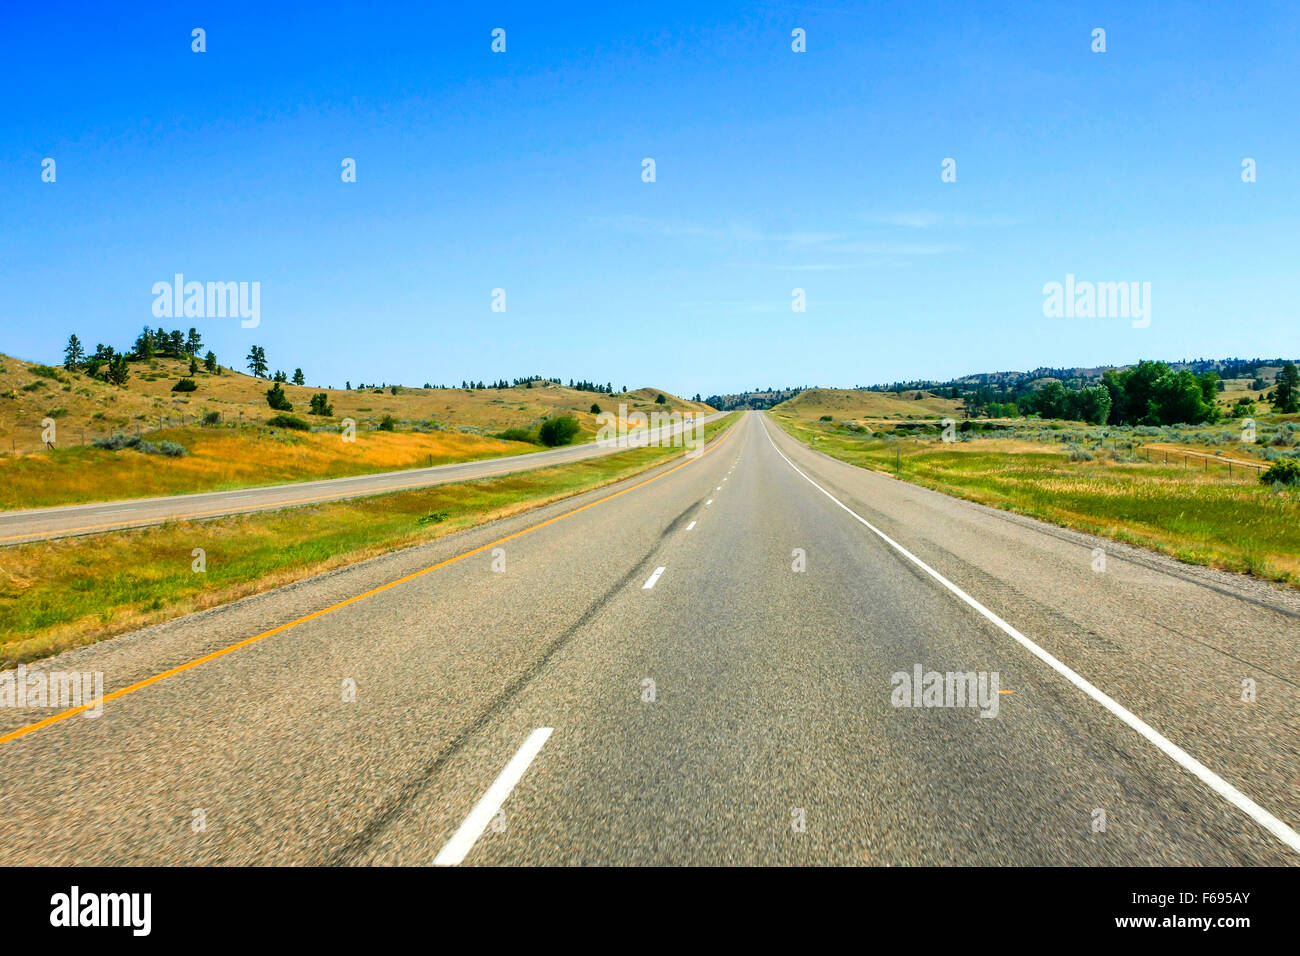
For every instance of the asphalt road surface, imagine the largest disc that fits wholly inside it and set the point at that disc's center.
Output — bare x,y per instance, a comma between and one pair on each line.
504,711
35,524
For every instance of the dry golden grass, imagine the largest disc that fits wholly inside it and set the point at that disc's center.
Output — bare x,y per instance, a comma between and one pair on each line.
222,458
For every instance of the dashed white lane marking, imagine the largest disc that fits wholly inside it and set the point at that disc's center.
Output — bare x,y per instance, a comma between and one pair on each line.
653,578
1166,746
719,488
463,840
709,502
690,526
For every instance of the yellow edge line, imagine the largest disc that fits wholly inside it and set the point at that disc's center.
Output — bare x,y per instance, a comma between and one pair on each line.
140,685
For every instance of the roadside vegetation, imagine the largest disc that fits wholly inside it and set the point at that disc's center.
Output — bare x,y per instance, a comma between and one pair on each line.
72,591
1200,494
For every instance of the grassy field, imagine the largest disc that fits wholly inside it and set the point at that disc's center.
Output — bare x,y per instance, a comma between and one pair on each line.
220,458
442,425
1211,517
72,591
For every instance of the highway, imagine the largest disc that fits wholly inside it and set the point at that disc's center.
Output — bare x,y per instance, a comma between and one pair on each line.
696,666
37,524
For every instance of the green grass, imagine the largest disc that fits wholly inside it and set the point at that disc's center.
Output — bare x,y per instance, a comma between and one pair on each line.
72,591
1208,518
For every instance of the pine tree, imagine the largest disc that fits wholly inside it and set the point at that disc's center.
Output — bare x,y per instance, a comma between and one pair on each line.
144,344
298,378
193,342
1286,397
118,373
257,361
74,354
210,361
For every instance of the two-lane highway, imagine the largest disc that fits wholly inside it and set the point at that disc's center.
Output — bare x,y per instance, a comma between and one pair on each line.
700,665
34,524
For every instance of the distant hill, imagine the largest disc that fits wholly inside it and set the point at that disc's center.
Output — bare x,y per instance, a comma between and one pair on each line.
849,404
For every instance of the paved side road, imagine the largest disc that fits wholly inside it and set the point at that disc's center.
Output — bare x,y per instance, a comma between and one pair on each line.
698,666
35,524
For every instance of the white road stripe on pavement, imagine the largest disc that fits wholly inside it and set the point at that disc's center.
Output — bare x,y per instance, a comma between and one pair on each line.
690,526
654,577
463,840
1181,757
709,502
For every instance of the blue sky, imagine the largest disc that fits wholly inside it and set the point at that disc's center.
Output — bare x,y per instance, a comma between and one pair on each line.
775,170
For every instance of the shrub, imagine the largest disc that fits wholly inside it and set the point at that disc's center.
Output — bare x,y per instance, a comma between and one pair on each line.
388,423
1285,471
518,434
660,400
595,408
33,386
288,421
118,442
276,398
433,517
558,431
825,418
1079,454
320,405
211,418
45,371
186,385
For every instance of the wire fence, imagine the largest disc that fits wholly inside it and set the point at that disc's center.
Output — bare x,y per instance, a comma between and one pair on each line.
28,437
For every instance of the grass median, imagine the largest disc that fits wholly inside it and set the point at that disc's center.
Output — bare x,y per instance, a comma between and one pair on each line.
1213,518
72,591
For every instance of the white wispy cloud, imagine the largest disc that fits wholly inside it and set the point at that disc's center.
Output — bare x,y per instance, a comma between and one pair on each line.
928,220
828,247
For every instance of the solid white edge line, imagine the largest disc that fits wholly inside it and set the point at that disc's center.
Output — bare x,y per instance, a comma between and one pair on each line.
653,578
1179,756
463,840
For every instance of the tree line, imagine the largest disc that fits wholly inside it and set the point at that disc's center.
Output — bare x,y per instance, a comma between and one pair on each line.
1149,393
110,365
